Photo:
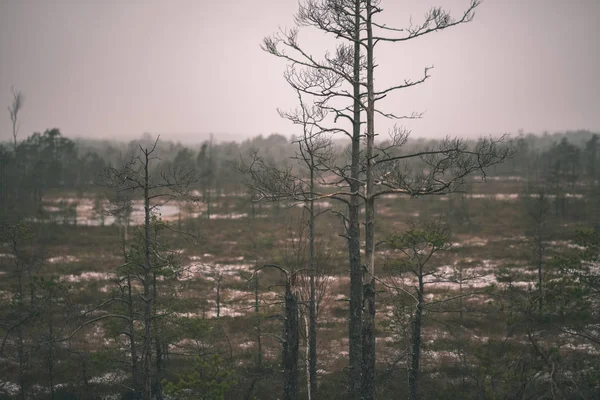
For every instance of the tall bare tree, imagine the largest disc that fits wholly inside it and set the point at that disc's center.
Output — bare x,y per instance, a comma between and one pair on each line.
334,78
135,178
13,110
269,182
342,86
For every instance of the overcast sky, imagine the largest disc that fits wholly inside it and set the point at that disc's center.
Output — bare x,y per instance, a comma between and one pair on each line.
117,68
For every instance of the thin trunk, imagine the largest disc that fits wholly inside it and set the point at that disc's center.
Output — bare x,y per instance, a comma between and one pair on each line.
307,357
312,305
413,371
218,298
133,348
208,208
368,389
21,356
510,294
2,189
147,386
290,345
14,129
356,290
540,264
158,345
51,355
84,372
460,293
20,339
210,177
259,355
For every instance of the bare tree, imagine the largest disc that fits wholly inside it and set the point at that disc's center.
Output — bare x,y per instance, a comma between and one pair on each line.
342,86
332,81
15,236
13,110
216,275
537,209
27,304
418,246
290,340
135,178
268,182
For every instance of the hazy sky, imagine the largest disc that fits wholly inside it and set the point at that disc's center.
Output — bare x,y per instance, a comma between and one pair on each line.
117,68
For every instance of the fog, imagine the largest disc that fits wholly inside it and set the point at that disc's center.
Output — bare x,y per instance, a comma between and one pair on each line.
114,69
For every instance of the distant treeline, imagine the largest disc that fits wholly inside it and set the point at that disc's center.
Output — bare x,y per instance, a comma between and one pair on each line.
49,161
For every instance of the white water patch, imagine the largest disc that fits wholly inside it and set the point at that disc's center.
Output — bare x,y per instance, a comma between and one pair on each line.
441,355
106,288
109,377
6,295
317,203
86,276
473,242
584,347
451,278
202,270
237,295
565,243
494,196
224,311
62,259
88,212
232,215
10,388
511,196
500,178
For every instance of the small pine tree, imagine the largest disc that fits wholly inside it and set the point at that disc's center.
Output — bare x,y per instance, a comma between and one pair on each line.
210,380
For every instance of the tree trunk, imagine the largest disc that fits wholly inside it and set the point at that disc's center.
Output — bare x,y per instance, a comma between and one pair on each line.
20,338
147,297
312,305
368,387
218,297
307,357
259,355
540,276
356,275
208,208
290,345
133,347
51,354
413,371
158,346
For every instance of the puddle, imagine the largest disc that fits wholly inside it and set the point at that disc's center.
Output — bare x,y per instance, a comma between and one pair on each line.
86,276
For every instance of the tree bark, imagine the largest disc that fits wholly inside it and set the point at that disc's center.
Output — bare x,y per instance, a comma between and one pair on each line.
368,387
356,274
20,336
259,354
132,344
290,345
413,371
51,354
157,345
147,297
312,306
